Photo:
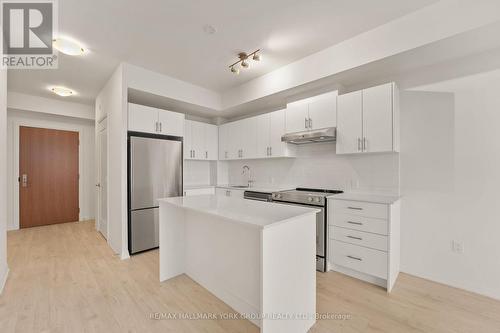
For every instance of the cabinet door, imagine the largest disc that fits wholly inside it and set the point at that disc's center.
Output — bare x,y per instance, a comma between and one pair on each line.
233,140
142,118
263,135
187,141
323,111
247,137
377,118
297,115
171,123
349,123
223,142
198,143
277,130
211,142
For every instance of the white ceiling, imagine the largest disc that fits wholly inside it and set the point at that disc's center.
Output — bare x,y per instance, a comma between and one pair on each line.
167,36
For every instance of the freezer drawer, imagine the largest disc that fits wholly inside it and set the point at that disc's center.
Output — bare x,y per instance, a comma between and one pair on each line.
144,230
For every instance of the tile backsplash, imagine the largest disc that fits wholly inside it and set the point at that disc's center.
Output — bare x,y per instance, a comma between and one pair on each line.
318,166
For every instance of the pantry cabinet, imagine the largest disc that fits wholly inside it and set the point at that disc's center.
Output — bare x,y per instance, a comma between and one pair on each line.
368,120
200,141
312,113
146,119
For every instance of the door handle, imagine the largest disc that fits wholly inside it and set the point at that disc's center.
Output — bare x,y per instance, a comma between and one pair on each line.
24,180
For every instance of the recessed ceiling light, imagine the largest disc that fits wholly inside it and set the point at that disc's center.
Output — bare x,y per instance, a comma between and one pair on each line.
68,46
62,91
209,29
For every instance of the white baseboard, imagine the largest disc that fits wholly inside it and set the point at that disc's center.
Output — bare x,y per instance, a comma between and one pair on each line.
3,281
125,255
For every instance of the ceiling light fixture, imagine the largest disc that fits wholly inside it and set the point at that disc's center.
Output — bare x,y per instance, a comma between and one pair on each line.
255,55
68,46
62,91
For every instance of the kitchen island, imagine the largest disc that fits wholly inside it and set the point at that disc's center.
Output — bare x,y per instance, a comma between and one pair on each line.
257,257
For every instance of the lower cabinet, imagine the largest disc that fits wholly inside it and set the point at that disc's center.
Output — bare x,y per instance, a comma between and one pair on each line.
363,240
227,192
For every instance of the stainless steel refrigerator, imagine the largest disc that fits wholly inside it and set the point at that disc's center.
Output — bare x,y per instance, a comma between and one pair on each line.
154,171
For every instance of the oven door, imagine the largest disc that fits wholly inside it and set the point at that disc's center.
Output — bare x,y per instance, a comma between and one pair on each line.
320,234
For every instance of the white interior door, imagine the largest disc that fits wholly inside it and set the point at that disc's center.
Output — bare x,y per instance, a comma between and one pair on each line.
102,185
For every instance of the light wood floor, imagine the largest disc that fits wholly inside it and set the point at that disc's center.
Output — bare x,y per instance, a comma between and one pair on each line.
64,278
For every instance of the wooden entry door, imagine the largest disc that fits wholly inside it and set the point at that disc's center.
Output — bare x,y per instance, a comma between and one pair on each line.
48,176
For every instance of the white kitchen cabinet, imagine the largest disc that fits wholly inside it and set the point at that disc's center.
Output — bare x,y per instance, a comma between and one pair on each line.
368,120
201,141
171,123
146,119
270,129
312,113
364,239
349,123
255,137
297,117
323,111
234,193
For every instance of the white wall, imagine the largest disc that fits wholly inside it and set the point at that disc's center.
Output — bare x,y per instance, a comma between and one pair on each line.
450,182
85,128
317,166
112,103
3,178
430,24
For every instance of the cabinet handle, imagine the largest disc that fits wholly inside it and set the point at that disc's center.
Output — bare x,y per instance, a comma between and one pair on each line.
225,154
364,144
206,154
160,127
355,208
305,122
356,223
270,151
194,153
354,258
359,144
156,127
352,237
310,123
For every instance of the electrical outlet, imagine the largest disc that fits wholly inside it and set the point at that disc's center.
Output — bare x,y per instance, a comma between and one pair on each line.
457,247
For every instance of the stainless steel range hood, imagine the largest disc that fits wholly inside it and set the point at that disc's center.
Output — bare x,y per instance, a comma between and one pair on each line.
320,135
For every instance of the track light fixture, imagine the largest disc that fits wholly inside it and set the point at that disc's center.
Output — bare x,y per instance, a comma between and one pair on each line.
244,57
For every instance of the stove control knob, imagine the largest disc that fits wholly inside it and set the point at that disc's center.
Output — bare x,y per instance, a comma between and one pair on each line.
310,199
318,199
277,196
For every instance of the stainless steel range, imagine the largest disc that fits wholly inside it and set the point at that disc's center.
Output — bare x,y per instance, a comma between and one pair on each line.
313,198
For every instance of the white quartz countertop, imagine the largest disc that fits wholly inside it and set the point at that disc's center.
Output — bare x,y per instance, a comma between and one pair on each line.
366,197
259,188
195,187
253,213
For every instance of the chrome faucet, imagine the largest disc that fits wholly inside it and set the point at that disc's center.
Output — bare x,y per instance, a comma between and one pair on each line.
246,170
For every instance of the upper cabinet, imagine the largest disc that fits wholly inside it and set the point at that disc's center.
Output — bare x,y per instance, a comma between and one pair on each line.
368,120
155,121
256,137
312,113
200,141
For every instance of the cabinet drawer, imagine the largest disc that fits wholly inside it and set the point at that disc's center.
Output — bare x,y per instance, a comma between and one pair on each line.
358,258
366,239
358,208
360,223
